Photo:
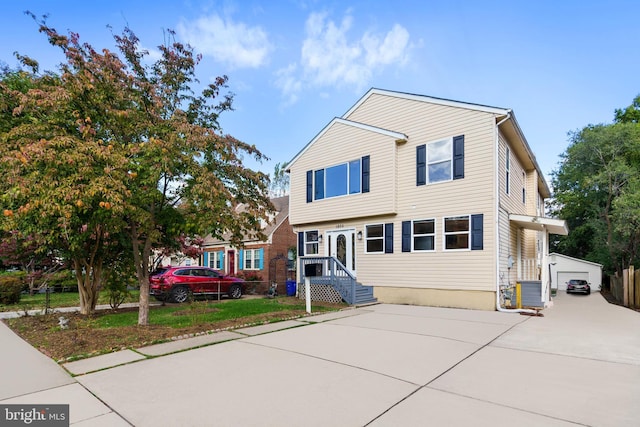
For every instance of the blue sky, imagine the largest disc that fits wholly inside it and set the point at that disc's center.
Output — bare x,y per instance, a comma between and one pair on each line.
296,64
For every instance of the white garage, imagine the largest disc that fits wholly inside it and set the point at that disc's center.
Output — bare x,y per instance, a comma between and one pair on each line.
563,268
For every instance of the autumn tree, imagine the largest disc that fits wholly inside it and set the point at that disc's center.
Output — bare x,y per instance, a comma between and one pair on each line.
139,153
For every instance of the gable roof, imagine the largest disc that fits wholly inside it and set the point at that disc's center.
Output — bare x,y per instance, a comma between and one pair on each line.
363,126
281,206
510,127
429,99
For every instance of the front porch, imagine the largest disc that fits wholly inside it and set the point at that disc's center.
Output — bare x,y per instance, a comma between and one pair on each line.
331,281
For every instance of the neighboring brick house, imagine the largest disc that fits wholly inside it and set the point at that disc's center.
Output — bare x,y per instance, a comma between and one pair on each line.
267,259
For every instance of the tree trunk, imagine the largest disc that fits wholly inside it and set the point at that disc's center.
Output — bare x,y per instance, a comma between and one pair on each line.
141,258
88,277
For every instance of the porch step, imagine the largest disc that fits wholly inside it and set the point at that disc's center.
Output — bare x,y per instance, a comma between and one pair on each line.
364,294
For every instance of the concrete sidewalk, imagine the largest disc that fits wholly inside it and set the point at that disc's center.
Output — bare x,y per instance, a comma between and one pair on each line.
382,365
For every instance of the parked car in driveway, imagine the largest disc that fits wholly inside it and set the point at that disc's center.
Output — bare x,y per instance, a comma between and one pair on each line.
178,284
576,286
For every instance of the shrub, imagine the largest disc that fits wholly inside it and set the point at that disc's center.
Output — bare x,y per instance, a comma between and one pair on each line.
116,282
10,289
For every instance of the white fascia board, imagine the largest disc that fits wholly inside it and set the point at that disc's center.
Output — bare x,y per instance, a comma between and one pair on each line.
595,264
429,99
540,223
390,133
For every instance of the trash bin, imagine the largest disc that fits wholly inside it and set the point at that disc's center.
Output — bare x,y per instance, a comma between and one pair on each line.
291,288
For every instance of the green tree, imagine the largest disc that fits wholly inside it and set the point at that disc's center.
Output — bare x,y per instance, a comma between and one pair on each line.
140,152
280,181
597,192
631,114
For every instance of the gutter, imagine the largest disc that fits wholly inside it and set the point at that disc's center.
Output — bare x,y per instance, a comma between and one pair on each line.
497,225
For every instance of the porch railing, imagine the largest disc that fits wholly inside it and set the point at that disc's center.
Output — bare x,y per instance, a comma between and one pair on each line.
329,271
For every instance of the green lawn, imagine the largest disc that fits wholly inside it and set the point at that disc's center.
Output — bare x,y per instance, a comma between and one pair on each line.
201,312
59,299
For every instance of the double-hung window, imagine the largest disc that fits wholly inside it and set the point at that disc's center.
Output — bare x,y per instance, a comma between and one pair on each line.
215,260
440,161
252,259
311,242
507,167
456,232
374,238
423,232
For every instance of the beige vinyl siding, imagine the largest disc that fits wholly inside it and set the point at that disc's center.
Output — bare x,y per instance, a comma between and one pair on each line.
474,194
512,202
342,143
424,123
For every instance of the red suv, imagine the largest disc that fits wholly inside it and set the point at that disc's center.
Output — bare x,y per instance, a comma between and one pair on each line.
177,284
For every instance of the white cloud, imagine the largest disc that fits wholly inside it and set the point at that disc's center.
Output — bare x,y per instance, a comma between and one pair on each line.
330,58
233,43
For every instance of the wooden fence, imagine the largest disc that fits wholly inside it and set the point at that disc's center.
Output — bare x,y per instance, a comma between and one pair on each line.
626,288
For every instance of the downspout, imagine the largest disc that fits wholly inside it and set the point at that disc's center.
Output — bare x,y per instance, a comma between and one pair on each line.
497,225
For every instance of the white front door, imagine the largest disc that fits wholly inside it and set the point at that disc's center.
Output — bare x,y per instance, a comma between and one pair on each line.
341,244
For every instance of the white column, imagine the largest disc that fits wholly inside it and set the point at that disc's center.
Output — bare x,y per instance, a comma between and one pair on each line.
544,266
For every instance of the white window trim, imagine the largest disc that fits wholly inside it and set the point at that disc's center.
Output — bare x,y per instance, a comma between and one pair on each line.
254,265
445,233
507,165
435,230
366,238
214,258
311,242
324,180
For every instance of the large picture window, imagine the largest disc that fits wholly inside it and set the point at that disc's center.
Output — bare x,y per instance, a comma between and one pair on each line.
338,180
456,232
423,232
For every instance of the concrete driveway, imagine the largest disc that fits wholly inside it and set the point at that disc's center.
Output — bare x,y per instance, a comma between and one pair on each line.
391,365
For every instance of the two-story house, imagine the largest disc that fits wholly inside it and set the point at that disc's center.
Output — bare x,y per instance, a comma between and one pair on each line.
427,201
266,260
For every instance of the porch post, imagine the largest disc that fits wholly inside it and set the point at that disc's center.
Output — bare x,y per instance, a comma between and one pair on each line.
544,267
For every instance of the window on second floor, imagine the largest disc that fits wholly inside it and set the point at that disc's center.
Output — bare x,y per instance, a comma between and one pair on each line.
439,161
508,171
339,180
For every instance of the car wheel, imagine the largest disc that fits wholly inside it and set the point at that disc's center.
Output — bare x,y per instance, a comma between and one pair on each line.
589,292
235,291
180,294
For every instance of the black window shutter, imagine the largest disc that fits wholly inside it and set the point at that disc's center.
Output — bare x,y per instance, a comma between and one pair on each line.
301,243
365,174
309,186
458,157
319,184
406,236
421,164
476,232
388,238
